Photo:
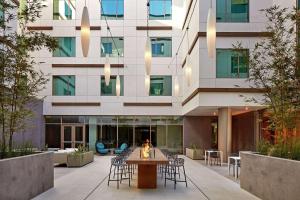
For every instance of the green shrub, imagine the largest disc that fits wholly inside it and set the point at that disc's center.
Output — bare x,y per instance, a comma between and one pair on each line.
289,149
280,150
263,147
295,150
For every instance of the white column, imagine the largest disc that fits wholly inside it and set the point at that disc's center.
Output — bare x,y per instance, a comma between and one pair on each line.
225,132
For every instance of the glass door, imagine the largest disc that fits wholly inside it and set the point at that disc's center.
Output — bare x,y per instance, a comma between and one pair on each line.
79,133
66,137
72,136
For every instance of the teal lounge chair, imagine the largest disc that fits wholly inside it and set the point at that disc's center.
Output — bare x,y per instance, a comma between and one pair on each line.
121,149
101,148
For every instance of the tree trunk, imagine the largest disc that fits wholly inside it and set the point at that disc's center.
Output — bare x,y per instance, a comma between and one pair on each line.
10,143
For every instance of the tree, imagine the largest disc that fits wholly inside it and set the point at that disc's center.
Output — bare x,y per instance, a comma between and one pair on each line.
274,66
20,82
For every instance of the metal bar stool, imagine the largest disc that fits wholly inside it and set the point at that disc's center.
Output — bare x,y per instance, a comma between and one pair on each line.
119,167
174,169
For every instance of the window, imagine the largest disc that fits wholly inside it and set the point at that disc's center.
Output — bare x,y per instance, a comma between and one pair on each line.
110,90
161,47
232,64
63,85
112,9
63,9
66,47
160,9
108,46
160,85
233,11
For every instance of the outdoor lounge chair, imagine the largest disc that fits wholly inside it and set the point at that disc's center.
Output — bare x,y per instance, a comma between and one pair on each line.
121,149
101,148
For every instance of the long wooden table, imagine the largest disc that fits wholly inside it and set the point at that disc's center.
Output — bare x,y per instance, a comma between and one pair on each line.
147,167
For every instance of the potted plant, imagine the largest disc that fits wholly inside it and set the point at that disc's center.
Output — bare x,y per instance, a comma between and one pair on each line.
80,157
194,152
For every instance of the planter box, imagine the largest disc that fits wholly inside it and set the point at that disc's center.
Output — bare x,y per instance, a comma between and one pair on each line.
79,160
270,178
27,176
195,154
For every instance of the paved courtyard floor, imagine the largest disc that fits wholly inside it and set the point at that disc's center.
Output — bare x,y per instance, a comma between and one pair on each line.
90,183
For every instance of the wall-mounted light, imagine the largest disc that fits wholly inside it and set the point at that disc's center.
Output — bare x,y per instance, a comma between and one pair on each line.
85,32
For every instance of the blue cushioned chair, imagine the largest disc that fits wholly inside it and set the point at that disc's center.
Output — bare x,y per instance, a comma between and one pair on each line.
121,149
101,148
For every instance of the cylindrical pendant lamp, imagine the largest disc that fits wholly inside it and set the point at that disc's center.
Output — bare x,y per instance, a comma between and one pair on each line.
211,33
118,86
147,84
148,56
85,32
107,71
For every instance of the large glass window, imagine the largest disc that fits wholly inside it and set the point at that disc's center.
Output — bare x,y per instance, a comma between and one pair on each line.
232,63
112,9
109,131
110,90
53,136
142,129
160,85
232,10
160,9
63,85
161,47
66,47
174,138
63,9
112,46
125,130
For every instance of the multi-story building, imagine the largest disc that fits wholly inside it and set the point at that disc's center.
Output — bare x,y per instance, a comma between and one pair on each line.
209,112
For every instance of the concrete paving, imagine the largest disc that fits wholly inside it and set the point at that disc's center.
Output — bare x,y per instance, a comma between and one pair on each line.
90,183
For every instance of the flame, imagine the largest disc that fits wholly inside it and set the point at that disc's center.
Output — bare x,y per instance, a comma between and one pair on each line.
146,151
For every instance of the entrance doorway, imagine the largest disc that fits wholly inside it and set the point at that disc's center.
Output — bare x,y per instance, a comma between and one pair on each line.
72,136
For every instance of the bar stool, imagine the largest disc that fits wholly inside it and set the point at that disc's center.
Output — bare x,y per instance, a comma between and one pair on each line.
119,167
174,170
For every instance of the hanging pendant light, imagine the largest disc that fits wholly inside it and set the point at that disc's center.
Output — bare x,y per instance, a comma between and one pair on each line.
188,70
176,86
118,86
147,84
148,47
211,32
107,71
148,56
85,31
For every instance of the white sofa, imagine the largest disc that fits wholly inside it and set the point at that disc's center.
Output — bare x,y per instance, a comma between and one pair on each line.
61,156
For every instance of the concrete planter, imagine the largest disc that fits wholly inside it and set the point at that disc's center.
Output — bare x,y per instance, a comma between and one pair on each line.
195,154
81,159
270,178
27,176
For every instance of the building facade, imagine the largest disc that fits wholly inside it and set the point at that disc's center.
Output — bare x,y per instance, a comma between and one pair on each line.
210,112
